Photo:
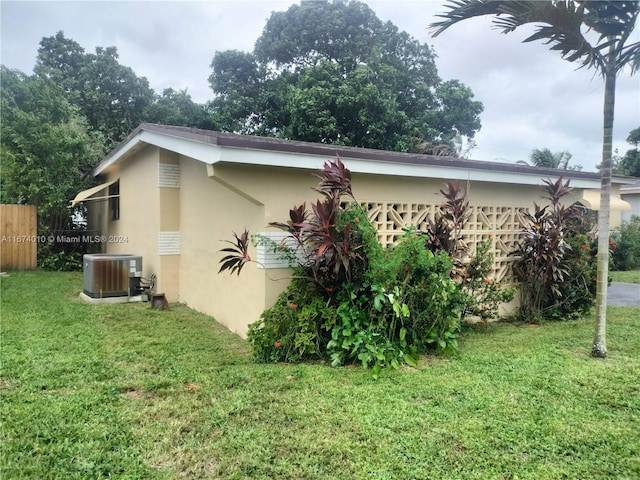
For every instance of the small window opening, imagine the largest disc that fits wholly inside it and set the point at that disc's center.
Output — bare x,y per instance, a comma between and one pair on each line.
114,200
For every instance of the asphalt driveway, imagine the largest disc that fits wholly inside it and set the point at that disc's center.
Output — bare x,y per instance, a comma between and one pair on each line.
623,294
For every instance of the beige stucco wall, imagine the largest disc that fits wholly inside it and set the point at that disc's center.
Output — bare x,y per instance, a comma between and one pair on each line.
214,201
139,209
169,221
210,212
145,209
279,189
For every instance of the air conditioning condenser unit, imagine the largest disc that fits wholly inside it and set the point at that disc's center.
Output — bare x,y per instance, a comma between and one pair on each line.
110,275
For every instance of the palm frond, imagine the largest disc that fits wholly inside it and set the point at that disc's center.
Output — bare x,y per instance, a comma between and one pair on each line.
559,24
630,55
610,18
460,10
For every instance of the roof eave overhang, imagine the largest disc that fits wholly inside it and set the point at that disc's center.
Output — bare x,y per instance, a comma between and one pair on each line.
392,168
200,151
211,148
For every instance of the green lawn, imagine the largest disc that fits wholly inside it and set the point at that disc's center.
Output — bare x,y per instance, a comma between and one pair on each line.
630,276
123,391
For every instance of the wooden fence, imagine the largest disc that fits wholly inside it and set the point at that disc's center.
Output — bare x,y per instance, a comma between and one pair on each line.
18,237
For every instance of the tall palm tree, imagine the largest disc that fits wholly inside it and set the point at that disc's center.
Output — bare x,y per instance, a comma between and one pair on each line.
564,24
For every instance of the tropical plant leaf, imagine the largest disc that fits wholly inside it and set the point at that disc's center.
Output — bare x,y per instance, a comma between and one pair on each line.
560,25
297,219
238,253
335,179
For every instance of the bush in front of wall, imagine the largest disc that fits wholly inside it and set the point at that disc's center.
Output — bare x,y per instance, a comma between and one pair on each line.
297,326
556,267
578,291
483,295
406,303
626,255
352,301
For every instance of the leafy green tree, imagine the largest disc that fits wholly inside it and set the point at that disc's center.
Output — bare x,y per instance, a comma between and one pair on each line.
595,33
177,108
630,163
47,150
332,72
626,255
111,96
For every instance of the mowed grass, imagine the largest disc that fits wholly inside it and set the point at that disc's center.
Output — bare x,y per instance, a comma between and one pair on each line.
629,276
123,391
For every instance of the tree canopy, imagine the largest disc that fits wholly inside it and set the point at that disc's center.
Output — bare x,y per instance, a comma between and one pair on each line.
333,72
47,148
111,96
178,109
629,164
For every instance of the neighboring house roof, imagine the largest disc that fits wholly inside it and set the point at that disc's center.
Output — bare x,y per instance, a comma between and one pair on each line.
214,147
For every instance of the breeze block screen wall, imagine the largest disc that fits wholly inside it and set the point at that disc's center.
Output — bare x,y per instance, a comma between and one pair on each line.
501,223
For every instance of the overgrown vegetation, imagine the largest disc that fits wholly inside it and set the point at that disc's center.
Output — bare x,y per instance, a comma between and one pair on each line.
47,148
626,255
556,267
355,302
124,391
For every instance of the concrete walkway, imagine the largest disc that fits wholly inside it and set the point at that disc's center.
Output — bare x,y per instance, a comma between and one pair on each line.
623,294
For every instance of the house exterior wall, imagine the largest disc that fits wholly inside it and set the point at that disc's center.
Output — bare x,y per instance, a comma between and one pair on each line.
139,210
253,196
210,211
136,229
204,204
633,198
169,188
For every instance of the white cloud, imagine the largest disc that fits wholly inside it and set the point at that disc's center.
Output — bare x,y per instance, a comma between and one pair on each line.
532,98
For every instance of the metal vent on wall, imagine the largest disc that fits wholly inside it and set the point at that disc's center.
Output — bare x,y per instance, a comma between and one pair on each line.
266,255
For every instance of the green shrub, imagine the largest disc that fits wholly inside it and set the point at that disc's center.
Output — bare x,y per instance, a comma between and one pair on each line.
63,256
297,326
557,266
404,303
626,254
355,302
482,294
408,304
577,292
433,298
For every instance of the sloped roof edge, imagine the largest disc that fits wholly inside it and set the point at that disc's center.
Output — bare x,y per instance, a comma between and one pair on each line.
251,142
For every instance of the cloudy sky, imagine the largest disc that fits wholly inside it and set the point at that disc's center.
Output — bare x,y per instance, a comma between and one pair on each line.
532,98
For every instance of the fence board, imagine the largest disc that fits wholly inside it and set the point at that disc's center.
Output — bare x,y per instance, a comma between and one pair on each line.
18,237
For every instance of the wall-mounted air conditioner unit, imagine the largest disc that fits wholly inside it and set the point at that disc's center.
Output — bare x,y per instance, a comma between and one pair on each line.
112,275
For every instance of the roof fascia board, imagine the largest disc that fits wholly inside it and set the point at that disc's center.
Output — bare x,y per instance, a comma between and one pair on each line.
203,152
206,153
378,167
210,154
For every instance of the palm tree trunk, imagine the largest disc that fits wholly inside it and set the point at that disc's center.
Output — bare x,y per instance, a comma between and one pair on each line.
599,348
